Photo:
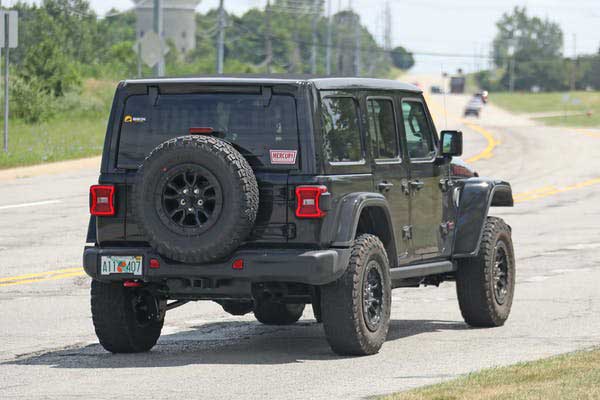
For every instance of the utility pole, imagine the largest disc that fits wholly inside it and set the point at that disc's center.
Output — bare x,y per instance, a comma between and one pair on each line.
329,39
313,52
159,68
511,65
139,57
357,42
387,41
221,38
6,47
511,78
268,38
574,66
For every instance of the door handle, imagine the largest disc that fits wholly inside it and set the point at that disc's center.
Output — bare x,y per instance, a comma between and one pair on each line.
417,185
384,186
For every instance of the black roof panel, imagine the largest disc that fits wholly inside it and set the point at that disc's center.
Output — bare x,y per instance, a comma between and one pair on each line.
320,83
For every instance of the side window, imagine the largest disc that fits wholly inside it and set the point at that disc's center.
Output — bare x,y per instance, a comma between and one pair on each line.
341,138
419,137
382,128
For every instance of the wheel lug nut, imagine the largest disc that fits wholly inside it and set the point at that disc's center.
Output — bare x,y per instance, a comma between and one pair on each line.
196,191
182,202
200,202
190,209
185,191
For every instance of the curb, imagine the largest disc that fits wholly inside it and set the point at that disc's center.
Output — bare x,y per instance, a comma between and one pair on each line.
49,168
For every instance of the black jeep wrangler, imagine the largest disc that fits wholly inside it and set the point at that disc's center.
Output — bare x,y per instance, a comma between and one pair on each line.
267,194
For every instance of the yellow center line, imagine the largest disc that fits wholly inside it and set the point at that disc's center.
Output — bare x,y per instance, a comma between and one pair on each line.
44,279
491,142
588,133
553,190
534,191
39,274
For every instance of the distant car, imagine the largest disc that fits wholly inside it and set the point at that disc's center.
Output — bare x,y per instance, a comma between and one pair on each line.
474,107
483,96
435,89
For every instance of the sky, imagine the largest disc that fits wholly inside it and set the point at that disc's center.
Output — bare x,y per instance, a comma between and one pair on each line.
464,27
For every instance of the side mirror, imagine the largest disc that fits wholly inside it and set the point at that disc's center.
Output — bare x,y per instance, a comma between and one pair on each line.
452,143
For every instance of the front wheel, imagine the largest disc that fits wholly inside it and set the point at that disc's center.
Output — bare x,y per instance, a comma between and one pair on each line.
356,308
127,320
485,284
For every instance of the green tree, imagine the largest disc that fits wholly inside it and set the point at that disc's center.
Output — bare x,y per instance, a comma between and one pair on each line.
535,46
402,58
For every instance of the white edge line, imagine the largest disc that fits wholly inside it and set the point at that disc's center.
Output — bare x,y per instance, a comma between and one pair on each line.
37,203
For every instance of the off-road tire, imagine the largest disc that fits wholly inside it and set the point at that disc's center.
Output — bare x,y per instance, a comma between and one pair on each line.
273,313
239,194
342,301
236,307
475,285
115,321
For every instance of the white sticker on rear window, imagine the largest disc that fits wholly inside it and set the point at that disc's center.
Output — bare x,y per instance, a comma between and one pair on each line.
287,157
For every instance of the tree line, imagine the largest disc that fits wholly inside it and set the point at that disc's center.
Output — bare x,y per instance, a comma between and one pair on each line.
528,55
63,42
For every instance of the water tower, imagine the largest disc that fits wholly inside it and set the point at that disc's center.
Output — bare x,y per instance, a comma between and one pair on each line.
179,21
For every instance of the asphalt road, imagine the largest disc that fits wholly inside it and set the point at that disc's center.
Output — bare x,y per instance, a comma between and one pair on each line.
48,348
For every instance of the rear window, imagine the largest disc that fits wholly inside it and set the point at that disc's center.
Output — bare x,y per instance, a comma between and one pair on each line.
265,130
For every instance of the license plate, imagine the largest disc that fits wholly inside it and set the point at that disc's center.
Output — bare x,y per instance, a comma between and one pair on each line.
121,265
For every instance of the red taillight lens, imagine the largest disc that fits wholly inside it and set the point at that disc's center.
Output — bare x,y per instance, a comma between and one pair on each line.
307,198
102,200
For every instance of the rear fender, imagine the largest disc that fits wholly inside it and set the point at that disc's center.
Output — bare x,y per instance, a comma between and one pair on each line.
476,197
373,207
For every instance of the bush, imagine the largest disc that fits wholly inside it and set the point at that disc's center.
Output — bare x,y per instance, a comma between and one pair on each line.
29,100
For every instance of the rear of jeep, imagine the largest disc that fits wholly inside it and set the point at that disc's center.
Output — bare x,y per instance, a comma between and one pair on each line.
208,191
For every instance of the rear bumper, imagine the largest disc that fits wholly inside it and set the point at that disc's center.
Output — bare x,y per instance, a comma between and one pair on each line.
313,267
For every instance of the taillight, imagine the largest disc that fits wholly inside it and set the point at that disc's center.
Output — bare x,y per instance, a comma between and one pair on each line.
308,201
102,200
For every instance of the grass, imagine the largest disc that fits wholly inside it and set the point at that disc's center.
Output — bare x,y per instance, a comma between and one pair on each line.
592,121
567,377
75,132
554,103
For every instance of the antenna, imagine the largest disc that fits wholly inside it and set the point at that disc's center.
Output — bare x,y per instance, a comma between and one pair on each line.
444,89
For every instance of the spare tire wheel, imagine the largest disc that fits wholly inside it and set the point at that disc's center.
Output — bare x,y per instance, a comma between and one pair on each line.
195,199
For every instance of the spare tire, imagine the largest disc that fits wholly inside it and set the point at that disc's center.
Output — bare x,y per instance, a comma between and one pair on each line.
195,199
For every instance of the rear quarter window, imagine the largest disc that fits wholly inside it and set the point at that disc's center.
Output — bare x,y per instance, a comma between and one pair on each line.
341,133
253,124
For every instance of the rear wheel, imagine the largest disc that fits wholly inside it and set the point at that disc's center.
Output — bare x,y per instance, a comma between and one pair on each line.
272,313
126,320
356,308
485,284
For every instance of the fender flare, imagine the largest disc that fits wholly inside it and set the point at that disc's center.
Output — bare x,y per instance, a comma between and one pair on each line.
343,224
476,197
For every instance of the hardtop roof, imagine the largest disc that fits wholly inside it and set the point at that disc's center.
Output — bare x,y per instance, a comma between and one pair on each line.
338,83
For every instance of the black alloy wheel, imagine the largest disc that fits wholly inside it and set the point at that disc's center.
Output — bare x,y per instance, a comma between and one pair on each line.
373,297
189,199
500,273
